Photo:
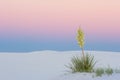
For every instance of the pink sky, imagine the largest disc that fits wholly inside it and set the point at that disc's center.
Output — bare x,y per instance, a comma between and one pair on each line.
35,18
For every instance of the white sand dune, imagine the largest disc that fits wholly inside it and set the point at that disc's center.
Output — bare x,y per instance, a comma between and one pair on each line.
50,65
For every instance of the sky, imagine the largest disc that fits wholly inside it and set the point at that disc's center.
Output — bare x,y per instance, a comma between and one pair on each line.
33,25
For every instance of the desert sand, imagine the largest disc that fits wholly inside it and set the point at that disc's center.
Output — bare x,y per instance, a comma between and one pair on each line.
50,65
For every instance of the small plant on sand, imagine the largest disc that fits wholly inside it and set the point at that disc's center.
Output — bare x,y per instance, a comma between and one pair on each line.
86,62
109,70
99,71
117,70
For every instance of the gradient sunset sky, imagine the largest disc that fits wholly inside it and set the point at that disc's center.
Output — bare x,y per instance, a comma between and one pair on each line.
32,25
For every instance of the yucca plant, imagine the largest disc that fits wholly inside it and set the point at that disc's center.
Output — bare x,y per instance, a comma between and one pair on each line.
82,64
86,62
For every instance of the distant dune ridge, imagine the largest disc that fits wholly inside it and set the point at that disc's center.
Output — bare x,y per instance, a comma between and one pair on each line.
50,65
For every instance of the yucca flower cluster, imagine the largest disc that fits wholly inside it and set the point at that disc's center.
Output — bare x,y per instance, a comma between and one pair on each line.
80,39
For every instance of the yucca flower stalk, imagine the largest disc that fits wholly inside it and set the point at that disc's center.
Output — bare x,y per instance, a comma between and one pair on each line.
81,41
